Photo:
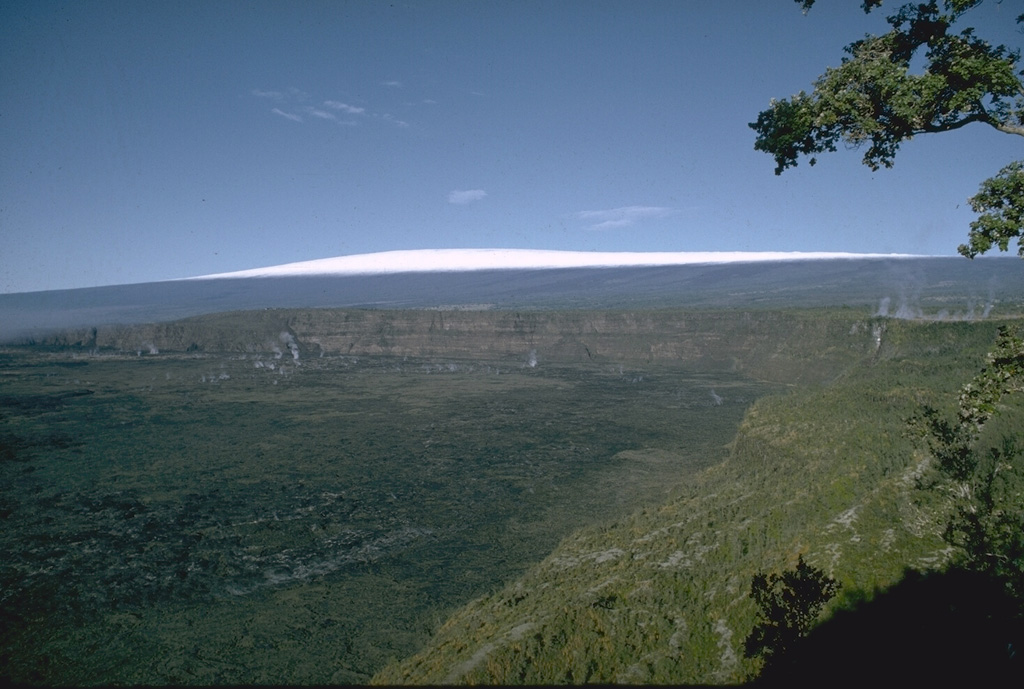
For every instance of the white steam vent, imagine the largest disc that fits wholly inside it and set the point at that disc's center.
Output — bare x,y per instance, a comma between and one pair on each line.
288,340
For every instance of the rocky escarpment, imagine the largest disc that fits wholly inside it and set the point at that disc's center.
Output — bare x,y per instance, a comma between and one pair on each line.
789,346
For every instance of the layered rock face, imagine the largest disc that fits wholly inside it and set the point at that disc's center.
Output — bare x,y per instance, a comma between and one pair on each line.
774,345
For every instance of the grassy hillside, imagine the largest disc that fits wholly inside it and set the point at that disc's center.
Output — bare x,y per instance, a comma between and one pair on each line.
662,595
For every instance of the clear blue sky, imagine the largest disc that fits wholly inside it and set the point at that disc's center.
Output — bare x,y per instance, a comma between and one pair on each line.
151,140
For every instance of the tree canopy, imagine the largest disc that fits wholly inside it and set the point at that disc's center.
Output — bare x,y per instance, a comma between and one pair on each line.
788,607
987,524
874,99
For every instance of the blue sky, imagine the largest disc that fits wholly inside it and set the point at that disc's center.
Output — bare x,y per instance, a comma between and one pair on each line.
145,141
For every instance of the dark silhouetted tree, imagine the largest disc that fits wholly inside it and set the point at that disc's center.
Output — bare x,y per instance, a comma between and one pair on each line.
788,607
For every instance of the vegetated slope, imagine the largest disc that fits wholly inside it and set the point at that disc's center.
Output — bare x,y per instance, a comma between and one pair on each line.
662,595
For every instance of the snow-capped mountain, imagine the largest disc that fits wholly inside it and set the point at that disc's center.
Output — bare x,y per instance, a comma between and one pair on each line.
884,284
457,260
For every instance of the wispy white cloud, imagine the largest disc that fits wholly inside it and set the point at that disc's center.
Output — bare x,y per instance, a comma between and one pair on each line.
394,120
344,107
289,115
462,197
392,84
294,105
322,114
625,216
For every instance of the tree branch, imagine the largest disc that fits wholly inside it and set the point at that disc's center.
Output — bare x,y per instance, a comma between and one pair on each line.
982,116
953,126
1008,128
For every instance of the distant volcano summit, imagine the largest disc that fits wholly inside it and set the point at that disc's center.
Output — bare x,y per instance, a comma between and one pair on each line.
888,285
458,260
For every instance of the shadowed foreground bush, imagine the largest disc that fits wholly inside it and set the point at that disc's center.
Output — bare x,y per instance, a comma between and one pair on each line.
951,628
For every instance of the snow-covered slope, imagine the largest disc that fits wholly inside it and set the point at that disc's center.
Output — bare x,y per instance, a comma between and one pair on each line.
452,260
903,286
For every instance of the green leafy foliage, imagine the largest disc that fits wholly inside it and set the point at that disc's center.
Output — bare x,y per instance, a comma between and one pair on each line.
1000,202
873,99
789,605
983,475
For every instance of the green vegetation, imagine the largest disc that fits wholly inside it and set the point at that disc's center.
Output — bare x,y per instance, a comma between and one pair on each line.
960,625
826,474
789,605
184,505
874,98
1000,203
983,475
